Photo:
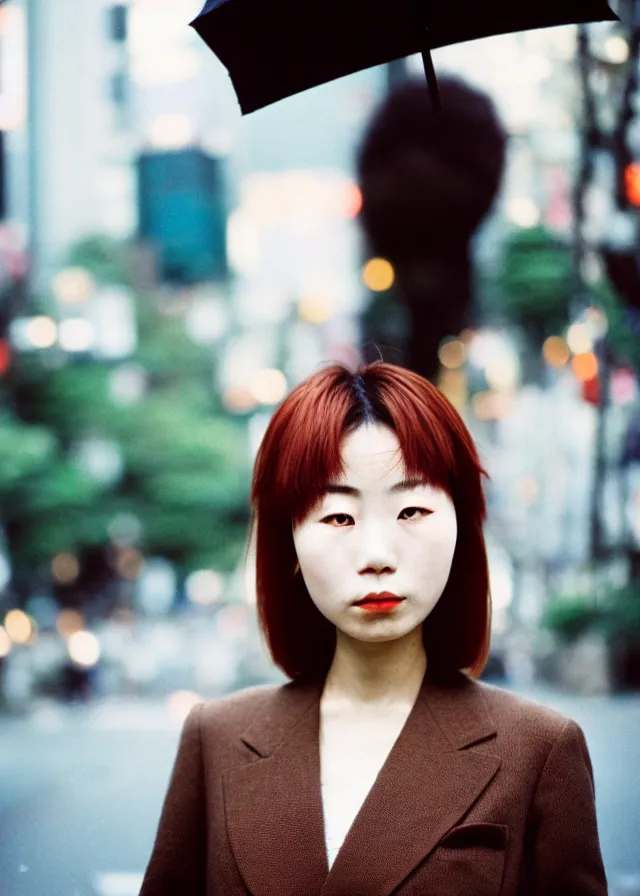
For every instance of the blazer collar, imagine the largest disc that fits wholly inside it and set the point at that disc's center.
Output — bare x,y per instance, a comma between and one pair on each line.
429,781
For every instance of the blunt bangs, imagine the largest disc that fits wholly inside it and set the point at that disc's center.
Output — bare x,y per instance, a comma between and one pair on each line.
301,452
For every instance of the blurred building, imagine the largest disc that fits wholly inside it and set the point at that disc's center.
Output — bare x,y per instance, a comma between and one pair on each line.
292,244
102,87
183,215
13,168
80,149
13,114
107,81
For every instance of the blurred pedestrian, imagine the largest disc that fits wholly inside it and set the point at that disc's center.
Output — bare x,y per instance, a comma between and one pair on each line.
428,181
384,765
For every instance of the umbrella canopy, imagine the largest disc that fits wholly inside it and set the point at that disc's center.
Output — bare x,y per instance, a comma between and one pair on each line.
276,48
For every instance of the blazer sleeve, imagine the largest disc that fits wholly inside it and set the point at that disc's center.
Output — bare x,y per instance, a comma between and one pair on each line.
177,863
562,843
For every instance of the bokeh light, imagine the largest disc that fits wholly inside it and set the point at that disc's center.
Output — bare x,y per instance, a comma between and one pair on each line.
19,626
65,568
84,649
487,346
452,354
523,212
69,622
616,49
73,286
378,275
204,587
632,182
502,372
5,357
316,309
41,332
239,399
269,386
585,366
555,352
579,338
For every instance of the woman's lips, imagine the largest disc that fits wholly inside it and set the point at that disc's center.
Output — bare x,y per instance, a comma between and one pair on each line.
380,603
380,606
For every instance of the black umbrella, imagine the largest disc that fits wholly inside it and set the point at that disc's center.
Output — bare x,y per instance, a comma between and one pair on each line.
275,48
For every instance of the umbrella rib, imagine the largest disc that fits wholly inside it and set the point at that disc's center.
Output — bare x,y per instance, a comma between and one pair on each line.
432,80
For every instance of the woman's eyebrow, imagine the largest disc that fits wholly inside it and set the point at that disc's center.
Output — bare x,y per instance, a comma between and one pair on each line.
405,485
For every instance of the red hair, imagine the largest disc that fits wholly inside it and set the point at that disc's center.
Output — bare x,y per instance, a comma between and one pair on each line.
300,453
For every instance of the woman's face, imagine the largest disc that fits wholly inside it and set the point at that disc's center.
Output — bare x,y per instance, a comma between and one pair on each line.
373,533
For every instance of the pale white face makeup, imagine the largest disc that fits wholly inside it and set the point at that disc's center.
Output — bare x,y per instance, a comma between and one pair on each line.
378,538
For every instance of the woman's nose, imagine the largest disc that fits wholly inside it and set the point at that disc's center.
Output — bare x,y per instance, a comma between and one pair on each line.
377,567
377,553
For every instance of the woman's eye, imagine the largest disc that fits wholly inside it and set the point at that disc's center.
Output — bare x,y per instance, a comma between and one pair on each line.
339,517
420,510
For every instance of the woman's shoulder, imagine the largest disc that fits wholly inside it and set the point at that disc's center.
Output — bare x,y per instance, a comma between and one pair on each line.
238,708
515,713
257,716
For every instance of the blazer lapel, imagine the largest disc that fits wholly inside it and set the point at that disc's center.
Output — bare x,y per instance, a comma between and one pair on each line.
425,787
273,805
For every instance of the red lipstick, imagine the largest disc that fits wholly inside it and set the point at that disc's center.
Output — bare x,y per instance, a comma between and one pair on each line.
383,602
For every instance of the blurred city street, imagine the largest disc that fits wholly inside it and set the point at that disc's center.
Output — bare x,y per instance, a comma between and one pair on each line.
81,790
170,269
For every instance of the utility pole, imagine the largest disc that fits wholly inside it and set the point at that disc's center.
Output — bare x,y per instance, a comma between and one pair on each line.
595,140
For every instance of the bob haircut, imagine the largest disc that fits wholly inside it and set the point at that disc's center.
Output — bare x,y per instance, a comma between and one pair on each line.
300,453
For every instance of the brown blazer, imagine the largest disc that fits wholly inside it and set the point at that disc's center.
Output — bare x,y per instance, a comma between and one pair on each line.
483,793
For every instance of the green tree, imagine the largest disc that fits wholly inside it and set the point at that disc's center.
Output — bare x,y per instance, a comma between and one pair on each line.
532,290
183,469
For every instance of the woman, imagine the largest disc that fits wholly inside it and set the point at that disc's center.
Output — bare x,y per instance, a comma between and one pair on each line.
384,766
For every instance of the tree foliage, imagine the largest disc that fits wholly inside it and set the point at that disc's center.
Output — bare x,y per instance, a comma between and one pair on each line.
182,467
534,283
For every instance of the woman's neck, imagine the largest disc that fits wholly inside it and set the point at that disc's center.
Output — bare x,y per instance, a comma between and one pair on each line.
376,675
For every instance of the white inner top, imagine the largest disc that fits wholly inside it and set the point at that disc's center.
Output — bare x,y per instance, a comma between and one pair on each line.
341,805
351,758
